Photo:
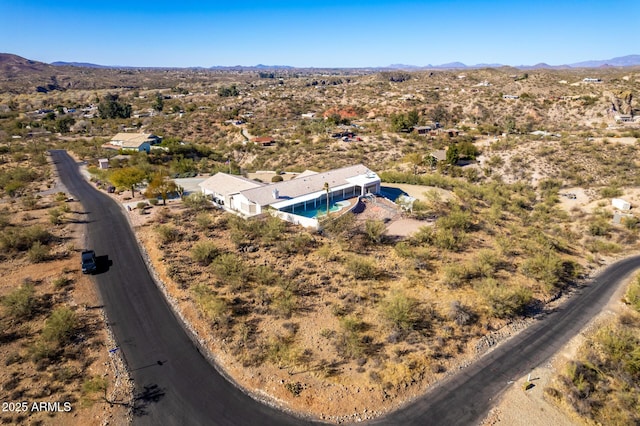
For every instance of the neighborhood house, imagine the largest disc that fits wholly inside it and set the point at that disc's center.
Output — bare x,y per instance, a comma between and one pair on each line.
299,200
133,142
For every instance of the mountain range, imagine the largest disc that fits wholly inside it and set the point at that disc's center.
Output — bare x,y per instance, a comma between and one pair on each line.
622,61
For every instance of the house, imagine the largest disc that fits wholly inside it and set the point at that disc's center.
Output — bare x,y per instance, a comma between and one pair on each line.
510,97
291,199
133,142
592,80
222,188
439,155
423,130
624,118
264,141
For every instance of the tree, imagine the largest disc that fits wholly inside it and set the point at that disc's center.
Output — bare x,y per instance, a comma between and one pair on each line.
158,105
127,177
439,114
64,123
453,154
109,107
161,186
413,118
416,160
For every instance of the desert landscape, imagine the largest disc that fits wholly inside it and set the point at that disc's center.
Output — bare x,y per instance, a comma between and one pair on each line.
508,177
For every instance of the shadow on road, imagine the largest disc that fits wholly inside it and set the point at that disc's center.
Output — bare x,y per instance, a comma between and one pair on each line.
149,394
103,264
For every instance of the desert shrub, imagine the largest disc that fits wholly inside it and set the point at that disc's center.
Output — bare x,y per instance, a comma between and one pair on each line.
167,234
277,178
341,227
266,275
21,239
486,263
212,307
374,230
504,301
400,310
455,275
38,252
632,296
349,341
404,249
60,326
196,201
361,267
230,269
281,350
21,302
204,252
610,192
61,282
545,266
599,227
271,229
284,303
300,243
448,239
93,390
29,201
56,216
461,314
204,221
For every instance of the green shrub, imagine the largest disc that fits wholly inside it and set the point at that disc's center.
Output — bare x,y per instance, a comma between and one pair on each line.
230,269
361,267
504,301
204,252
277,178
545,266
56,216
38,252
167,234
21,302
196,201
632,296
22,239
374,230
212,307
60,326
400,310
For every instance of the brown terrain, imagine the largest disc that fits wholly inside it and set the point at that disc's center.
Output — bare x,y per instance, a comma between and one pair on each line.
352,322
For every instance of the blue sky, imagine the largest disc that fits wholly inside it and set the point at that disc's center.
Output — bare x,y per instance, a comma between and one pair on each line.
331,33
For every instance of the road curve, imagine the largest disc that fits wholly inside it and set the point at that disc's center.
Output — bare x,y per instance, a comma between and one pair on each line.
467,397
175,384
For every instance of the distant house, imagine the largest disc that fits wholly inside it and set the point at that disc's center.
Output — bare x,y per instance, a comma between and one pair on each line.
264,141
309,115
439,155
510,97
624,118
423,130
133,142
592,80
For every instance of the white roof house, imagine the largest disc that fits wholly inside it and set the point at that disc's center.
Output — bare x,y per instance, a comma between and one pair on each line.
307,190
222,187
133,141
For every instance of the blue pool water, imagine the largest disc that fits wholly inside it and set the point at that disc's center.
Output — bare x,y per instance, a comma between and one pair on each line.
320,210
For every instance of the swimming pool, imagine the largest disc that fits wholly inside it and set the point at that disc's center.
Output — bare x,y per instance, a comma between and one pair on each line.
320,210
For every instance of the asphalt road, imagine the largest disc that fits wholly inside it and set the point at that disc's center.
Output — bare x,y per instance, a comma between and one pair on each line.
176,385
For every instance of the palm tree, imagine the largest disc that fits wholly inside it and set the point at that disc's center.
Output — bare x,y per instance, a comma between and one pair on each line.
326,188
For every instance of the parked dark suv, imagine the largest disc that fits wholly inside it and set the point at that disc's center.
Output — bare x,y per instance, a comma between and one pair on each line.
89,265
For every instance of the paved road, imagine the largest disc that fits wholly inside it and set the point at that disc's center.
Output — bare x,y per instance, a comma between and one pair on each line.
467,397
176,385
